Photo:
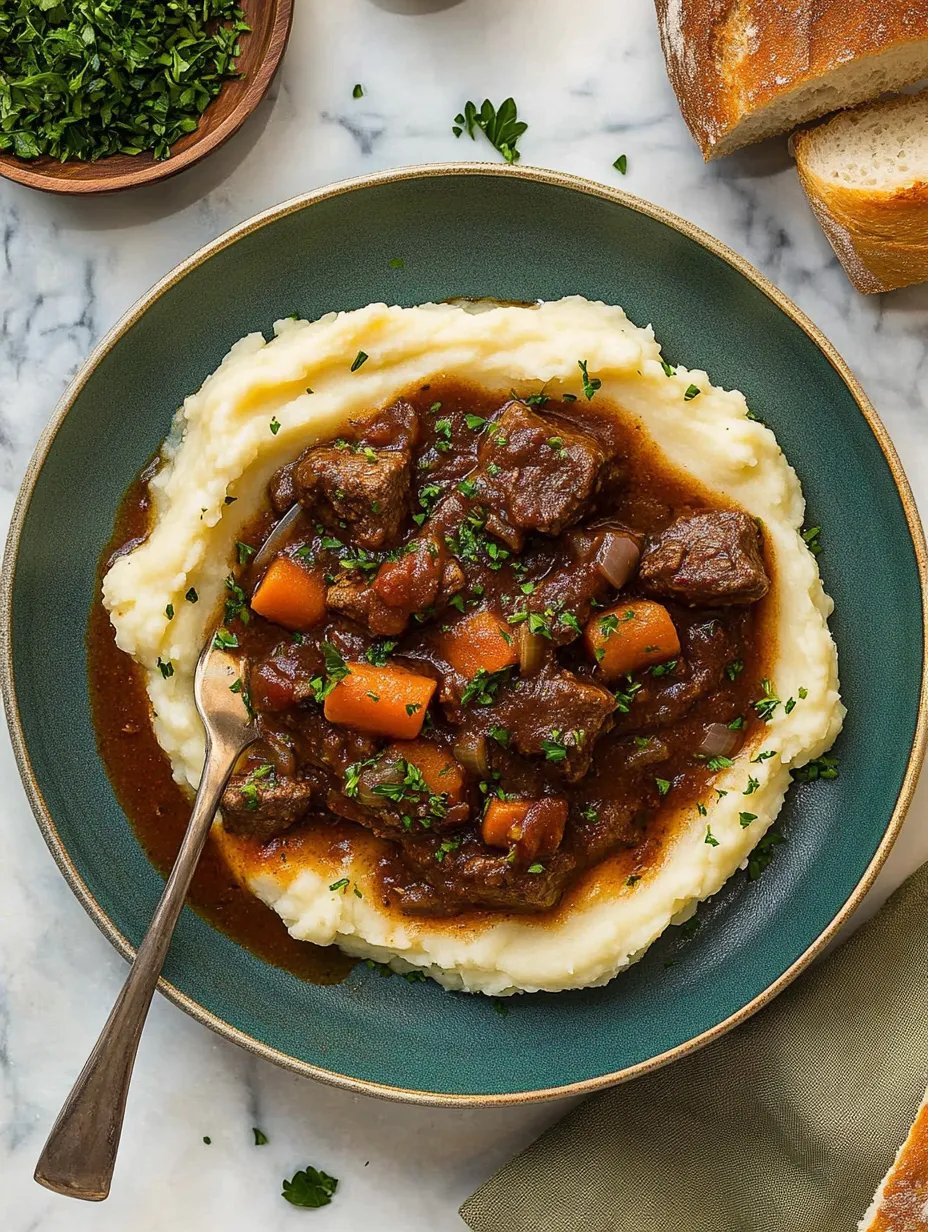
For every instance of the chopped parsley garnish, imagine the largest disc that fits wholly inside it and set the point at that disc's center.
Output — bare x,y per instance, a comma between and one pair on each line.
397,263
245,552
811,539
85,81
752,786
166,667
500,1008
501,126
590,814
342,884
668,369
764,756
443,435
500,735
734,669
625,696
353,776
236,603
358,91
692,391
373,696
663,786
633,879
820,768
621,164
484,687
191,596
412,708
467,488
379,652
767,704
538,624
260,1136
230,500
535,868
736,724
361,358
763,853
569,620
590,384
746,819
556,443
224,640
789,705
208,1141
274,426
554,747
803,694
336,669
719,763
310,1187
710,838
702,810
169,611
663,669
475,422
608,624
446,847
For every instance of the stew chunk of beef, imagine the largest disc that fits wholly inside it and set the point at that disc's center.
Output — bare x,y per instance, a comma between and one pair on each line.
707,559
369,490
422,580
264,807
559,717
536,474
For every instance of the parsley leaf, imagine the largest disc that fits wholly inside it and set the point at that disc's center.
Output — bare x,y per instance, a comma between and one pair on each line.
621,164
501,126
590,384
310,1187
820,768
484,687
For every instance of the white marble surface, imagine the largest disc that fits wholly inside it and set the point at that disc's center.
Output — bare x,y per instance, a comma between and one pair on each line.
589,79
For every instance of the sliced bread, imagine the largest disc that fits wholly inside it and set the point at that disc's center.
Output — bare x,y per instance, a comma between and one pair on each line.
865,173
748,69
901,1202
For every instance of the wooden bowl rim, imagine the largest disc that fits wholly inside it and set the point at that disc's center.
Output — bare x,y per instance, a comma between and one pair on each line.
276,38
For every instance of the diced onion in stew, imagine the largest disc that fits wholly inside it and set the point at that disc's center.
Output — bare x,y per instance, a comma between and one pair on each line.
531,651
617,558
718,741
470,749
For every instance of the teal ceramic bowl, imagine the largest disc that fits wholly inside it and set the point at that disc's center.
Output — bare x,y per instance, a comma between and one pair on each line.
474,230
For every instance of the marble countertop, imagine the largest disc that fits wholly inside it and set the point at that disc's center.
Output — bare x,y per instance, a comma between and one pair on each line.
589,79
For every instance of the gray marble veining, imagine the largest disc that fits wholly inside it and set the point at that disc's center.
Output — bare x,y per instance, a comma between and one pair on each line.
589,79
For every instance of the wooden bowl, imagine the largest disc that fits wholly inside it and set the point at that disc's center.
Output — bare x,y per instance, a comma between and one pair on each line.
270,22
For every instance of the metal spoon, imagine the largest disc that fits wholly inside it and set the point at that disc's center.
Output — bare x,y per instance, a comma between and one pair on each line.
80,1154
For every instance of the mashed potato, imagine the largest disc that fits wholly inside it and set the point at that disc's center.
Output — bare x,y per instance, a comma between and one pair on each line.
256,412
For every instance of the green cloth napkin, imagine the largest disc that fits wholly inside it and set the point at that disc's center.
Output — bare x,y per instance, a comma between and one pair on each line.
785,1125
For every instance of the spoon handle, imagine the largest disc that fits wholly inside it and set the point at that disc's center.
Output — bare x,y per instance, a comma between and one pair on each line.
80,1154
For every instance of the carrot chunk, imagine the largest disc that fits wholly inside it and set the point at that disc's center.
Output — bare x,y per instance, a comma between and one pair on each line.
386,701
630,636
480,640
533,827
290,595
441,772
502,822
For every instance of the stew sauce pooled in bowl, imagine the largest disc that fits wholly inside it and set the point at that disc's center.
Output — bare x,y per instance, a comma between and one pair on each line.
531,658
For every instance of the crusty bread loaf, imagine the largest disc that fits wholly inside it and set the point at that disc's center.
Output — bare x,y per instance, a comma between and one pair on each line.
747,69
866,175
901,1202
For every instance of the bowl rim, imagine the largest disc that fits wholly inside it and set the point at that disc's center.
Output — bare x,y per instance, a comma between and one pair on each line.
8,687
20,171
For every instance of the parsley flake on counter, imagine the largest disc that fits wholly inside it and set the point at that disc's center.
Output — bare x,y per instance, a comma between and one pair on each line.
361,358
208,1141
84,81
358,91
502,127
260,1136
621,164
310,1188
590,383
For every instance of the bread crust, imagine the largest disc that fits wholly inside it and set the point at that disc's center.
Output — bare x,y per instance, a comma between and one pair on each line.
879,235
901,1202
728,59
